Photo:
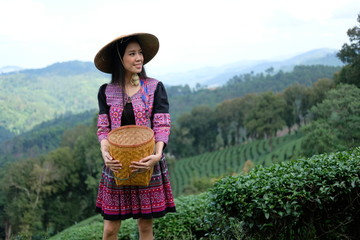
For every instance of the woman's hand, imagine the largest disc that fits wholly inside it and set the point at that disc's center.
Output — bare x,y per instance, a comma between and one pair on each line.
146,163
109,162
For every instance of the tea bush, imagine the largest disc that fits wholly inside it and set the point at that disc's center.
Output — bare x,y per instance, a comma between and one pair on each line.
187,222
92,229
318,197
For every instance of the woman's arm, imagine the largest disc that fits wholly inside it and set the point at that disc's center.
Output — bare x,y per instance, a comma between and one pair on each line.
161,121
103,123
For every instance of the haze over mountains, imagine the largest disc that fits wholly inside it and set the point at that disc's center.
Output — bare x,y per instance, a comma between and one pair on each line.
215,76
207,76
8,69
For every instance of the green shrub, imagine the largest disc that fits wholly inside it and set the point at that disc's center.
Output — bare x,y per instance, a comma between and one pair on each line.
187,222
310,198
198,185
92,229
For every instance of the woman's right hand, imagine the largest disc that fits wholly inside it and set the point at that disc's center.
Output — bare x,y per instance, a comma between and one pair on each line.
109,162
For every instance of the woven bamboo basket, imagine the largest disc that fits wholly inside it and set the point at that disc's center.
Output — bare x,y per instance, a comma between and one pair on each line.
127,144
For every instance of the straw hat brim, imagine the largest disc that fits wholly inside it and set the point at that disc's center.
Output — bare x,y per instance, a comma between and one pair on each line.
149,44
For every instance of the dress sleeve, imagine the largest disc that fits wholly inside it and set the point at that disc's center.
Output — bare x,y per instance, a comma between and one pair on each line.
103,123
161,121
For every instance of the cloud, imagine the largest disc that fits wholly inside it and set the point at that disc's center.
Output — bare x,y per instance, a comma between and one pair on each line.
22,20
192,33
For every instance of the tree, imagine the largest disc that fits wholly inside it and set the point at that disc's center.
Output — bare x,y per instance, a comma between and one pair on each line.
23,185
197,128
230,116
270,70
320,137
181,139
315,95
319,90
350,54
336,122
265,118
295,97
43,193
203,126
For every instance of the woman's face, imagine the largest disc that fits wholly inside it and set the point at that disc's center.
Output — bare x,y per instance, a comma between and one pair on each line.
133,58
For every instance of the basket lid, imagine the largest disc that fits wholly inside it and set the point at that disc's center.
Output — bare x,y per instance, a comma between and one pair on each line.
130,136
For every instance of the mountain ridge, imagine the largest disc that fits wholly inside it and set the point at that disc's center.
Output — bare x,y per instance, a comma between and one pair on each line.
9,69
32,96
206,76
218,76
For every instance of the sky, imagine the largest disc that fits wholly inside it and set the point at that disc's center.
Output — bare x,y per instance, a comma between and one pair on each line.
192,33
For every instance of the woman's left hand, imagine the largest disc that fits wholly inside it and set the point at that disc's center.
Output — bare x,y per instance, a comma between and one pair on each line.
146,163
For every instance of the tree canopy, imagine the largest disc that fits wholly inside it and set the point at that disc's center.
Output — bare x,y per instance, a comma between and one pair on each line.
350,54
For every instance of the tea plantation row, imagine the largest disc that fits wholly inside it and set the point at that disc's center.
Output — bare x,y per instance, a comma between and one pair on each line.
231,160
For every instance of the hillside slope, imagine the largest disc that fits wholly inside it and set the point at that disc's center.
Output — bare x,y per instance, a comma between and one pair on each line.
30,97
44,137
232,160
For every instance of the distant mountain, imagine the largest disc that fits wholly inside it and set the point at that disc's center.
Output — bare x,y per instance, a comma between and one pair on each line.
7,69
29,97
65,69
217,76
205,74
32,96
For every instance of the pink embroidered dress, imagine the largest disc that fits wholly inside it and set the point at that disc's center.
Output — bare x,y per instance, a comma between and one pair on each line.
148,107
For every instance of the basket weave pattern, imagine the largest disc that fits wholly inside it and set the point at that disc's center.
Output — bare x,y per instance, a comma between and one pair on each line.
131,143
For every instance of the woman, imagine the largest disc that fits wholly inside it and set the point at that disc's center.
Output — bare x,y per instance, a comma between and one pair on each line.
132,98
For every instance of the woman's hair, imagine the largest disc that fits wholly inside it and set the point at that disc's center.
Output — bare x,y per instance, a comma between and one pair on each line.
118,70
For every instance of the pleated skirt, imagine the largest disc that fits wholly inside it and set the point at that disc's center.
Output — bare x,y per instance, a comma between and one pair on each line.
122,202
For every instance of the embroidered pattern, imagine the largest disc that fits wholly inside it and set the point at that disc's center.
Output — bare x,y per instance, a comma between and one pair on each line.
115,202
142,102
122,202
103,126
161,127
115,116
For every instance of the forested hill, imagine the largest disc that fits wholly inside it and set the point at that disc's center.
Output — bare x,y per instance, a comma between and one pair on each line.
183,99
46,136
30,97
